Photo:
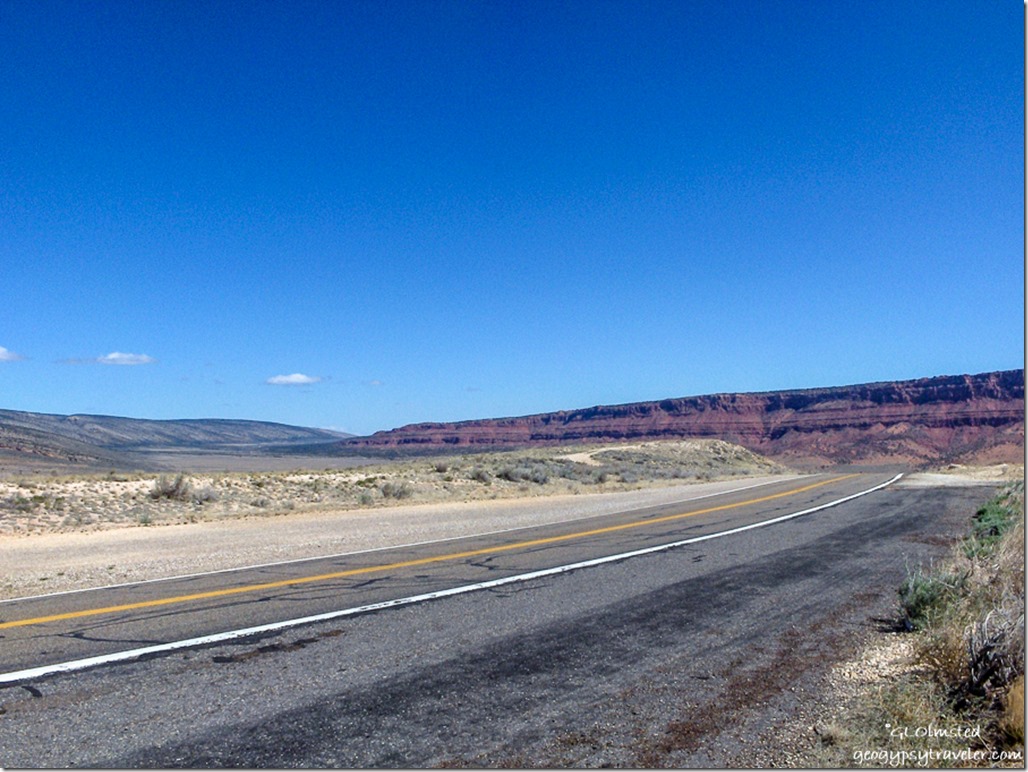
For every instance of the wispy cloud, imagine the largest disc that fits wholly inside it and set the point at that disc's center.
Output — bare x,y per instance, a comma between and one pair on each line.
296,379
121,358
9,356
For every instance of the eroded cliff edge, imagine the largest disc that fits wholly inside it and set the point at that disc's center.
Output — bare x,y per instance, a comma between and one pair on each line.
961,418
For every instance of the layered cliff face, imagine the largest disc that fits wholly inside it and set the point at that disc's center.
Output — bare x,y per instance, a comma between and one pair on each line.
952,418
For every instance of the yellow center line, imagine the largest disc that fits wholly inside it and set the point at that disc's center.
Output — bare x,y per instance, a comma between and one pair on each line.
405,563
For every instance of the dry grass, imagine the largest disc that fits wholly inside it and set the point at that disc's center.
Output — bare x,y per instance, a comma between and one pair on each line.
1012,720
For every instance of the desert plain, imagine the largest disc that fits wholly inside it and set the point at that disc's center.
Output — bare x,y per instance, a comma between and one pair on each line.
68,532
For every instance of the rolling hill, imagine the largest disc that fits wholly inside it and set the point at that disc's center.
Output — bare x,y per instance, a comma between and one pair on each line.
94,440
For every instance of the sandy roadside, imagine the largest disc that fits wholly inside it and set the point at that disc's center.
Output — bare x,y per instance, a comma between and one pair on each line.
957,474
46,563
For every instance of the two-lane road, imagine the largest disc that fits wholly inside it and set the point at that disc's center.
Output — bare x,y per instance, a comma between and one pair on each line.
675,657
78,629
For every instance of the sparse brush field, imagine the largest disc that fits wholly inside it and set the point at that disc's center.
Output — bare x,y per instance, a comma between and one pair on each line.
40,504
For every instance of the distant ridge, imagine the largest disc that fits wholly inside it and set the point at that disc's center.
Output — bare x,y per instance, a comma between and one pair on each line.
115,441
968,418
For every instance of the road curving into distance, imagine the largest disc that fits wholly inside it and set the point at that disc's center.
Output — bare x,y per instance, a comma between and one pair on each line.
337,662
68,631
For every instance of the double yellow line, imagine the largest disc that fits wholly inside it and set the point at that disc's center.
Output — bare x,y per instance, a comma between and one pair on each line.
250,588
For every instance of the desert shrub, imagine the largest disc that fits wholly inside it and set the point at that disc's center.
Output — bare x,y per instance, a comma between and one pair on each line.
537,473
509,474
441,467
995,652
481,475
365,499
397,490
178,489
539,476
987,528
925,595
18,503
205,495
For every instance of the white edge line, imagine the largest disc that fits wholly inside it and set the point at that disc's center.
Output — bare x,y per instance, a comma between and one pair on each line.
784,478
105,659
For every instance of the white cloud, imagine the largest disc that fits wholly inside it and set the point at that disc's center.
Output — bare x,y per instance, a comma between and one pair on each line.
9,356
120,358
296,379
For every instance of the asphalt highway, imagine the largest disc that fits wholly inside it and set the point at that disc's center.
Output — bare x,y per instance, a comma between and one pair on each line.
65,627
340,688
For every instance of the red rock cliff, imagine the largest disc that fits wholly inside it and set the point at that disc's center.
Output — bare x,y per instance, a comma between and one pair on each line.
963,417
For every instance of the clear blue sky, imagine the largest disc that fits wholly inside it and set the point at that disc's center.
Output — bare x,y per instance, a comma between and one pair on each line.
363,214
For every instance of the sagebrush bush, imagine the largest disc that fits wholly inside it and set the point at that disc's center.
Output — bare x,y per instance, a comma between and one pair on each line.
397,490
178,489
481,475
988,526
995,652
205,495
536,474
925,595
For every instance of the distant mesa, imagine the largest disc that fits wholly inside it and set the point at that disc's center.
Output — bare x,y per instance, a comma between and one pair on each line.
960,418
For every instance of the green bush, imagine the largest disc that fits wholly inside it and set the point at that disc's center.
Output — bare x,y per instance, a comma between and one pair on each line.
987,528
923,596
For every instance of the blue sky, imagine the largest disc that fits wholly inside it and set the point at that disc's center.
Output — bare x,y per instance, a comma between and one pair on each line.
364,214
